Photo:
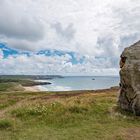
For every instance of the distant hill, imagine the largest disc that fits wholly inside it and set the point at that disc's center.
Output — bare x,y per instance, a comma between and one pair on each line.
32,77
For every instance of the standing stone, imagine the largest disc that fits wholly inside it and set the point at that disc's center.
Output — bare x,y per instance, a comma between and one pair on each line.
129,98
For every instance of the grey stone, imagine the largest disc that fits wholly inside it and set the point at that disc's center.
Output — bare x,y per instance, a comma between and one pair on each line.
129,98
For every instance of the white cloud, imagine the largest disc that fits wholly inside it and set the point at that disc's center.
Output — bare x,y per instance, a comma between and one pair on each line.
41,64
15,22
92,28
83,21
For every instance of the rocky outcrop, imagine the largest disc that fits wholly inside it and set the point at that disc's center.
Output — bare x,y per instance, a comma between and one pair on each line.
129,98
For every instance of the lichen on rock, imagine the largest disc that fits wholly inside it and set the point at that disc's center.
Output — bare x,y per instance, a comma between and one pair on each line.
129,98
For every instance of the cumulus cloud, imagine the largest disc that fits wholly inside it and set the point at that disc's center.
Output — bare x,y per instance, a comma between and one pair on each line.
67,33
17,23
95,30
41,64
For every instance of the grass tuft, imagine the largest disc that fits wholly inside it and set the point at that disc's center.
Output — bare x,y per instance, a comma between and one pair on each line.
77,109
5,124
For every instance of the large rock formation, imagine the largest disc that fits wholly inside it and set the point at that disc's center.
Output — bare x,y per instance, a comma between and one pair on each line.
129,98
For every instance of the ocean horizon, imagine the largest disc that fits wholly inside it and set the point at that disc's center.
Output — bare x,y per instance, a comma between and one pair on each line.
71,83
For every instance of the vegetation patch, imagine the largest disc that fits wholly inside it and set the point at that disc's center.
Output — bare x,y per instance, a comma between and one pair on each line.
5,124
77,109
82,117
60,114
10,86
6,101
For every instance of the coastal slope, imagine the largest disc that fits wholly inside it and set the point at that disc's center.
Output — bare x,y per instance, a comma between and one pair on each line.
78,115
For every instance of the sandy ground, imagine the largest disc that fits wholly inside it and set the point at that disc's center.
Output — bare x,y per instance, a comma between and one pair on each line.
32,88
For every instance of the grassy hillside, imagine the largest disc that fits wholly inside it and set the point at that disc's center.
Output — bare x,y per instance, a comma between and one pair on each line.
10,86
86,115
11,82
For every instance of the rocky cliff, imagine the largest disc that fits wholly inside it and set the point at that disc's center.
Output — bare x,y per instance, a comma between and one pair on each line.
129,98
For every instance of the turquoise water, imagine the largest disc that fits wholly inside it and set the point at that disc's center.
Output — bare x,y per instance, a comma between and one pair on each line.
69,83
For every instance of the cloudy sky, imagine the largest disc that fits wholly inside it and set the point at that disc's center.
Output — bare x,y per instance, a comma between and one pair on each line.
68,37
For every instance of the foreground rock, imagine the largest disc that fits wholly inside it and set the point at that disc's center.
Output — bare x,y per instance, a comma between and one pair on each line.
129,98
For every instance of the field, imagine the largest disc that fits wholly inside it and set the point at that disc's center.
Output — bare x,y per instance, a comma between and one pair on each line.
79,115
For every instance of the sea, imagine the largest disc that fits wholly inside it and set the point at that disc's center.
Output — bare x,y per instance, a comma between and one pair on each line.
72,83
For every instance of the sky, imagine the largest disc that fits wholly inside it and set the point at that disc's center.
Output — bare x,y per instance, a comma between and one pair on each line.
66,37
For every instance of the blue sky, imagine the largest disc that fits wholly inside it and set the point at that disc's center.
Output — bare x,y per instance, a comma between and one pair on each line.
7,52
66,37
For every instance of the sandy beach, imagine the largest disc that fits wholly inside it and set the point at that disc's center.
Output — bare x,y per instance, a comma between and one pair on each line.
32,88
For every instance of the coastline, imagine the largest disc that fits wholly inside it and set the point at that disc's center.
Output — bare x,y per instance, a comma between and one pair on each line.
72,111
79,83
40,88
31,88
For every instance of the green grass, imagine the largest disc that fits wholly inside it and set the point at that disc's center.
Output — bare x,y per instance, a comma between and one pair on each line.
10,86
8,82
5,124
7,103
84,117
7,100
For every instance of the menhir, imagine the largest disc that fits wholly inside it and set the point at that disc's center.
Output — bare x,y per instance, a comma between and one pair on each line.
129,98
